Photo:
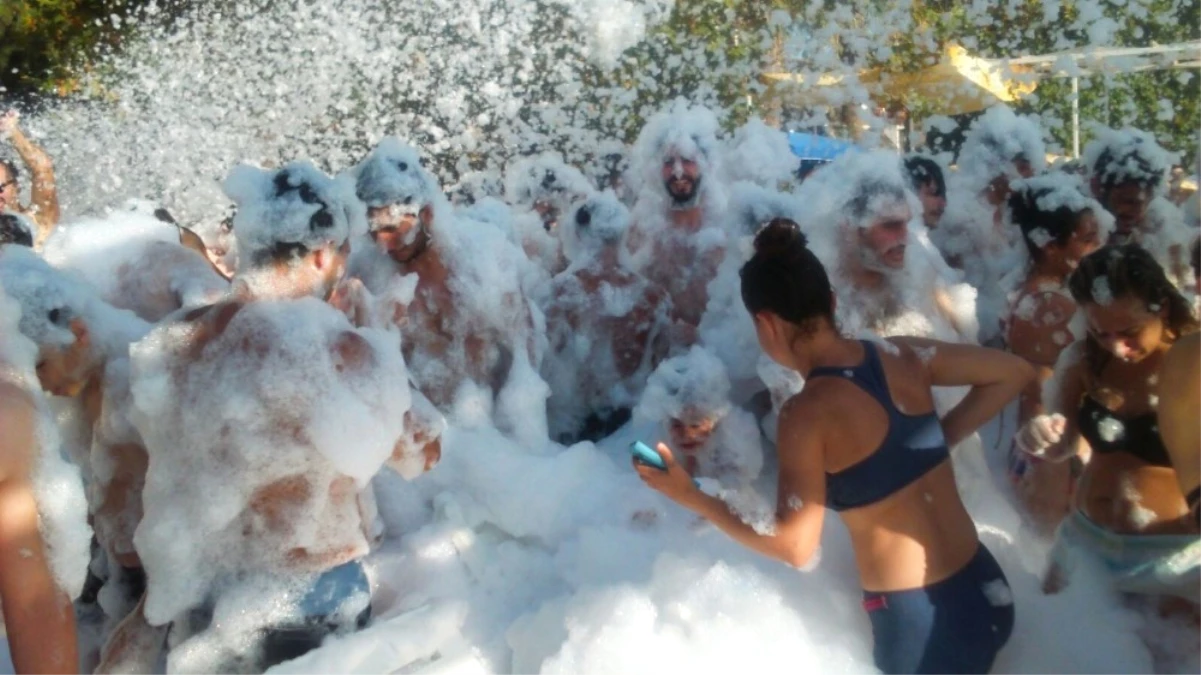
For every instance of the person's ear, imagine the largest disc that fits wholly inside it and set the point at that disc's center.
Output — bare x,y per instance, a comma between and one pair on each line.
83,337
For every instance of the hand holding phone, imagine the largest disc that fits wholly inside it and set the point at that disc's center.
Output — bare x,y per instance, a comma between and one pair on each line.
645,454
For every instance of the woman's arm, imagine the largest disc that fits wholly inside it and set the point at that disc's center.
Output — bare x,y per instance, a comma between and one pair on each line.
800,507
996,378
38,615
1179,401
44,203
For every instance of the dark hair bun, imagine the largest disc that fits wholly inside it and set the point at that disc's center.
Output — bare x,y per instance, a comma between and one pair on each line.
780,237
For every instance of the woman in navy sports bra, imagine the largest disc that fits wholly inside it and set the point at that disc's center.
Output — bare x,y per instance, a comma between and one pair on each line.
1130,515
862,438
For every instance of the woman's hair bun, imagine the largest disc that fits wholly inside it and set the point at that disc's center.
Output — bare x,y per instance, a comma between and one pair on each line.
780,237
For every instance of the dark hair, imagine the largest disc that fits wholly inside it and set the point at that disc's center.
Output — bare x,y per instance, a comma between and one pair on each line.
866,194
1196,258
13,173
925,171
1112,169
785,278
279,252
14,231
1129,271
1059,223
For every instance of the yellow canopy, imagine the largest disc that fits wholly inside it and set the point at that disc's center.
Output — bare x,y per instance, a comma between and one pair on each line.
959,83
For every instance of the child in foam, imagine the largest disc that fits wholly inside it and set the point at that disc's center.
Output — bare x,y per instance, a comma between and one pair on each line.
265,417
1060,226
689,395
1130,514
937,599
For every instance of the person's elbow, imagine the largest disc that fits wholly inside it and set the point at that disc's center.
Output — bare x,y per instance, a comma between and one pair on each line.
1023,373
798,555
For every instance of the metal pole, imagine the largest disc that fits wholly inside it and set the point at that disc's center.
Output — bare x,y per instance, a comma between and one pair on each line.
1075,117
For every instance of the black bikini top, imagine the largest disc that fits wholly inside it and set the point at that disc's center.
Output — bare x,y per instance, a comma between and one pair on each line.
1107,433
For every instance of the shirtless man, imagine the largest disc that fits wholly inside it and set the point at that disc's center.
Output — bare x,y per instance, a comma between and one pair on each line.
293,486
43,206
677,239
595,380
1129,176
458,326
83,355
149,268
926,180
542,190
889,279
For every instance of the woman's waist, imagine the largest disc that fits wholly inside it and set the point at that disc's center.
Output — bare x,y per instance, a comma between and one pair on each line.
914,553
1125,495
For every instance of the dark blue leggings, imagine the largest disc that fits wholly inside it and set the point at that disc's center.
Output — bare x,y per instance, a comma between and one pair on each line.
954,626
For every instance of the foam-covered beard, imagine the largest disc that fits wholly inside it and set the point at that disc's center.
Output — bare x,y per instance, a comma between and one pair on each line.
416,240
873,261
684,201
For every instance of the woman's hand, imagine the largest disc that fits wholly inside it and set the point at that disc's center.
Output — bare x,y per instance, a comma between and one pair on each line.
675,483
8,123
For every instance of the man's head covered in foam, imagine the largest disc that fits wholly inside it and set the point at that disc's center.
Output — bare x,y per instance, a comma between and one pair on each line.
594,227
690,395
546,184
1001,146
293,228
403,199
53,307
860,207
676,156
1127,170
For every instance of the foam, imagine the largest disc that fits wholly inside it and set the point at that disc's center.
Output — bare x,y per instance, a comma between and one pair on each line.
57,484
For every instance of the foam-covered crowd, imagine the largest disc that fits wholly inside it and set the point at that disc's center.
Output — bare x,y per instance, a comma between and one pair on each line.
899,413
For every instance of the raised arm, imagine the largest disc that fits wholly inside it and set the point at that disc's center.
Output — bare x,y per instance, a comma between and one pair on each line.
794,536
38,615
995,378
44,203
1179,402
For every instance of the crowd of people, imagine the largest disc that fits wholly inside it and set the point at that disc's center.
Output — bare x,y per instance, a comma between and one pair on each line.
849,331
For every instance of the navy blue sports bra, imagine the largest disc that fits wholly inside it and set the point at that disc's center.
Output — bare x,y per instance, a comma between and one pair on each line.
914,444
